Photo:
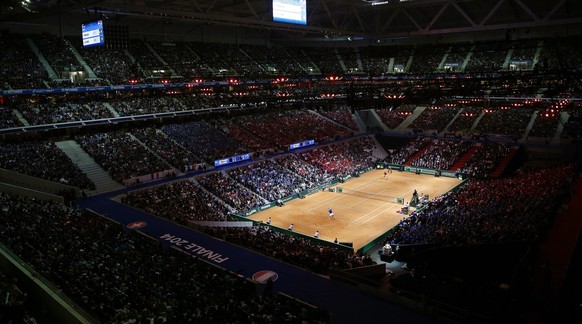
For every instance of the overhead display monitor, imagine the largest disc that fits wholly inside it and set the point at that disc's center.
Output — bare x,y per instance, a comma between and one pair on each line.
290,11
93,33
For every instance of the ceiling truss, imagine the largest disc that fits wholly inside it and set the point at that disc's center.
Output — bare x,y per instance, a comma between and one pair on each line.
352,17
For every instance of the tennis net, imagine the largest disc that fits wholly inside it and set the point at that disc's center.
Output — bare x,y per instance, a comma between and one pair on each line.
369,195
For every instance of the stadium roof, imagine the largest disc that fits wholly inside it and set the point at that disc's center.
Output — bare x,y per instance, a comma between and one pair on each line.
357,19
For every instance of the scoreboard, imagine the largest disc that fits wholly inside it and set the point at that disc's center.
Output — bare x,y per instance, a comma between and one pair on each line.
92,33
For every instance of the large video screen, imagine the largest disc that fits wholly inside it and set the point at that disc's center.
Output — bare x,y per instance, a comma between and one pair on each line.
290,11
93,33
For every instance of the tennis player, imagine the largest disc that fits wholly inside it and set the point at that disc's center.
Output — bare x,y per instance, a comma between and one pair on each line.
331,215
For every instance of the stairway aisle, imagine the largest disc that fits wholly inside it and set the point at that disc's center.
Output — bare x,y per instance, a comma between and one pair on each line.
417,154
504,163
465,157
101,178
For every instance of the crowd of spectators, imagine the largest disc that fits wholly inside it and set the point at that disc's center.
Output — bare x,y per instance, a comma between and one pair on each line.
150,61
392,117
7,118
545,124
303,252
340,114
573,127
376,60
506,120
233,193
121,155
426,59
179,201
60,111
269,179
243,133
311,173
20,68
435,118
567,51
166,148
549,116
488,57
402,155
141,105
241,63
76,82
43,160
204,140
102,269
342,158
507,87
181,58
485,159
466,119
350,57
216,60
108,64
456,56
325,58
275,60
58,54
193,101
273,129
441,154
520,208
523,54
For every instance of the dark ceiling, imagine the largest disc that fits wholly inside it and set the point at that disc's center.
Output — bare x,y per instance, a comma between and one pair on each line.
327,18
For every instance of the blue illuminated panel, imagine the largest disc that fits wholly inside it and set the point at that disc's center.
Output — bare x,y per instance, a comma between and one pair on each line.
301,144
290,11
232,159
93,33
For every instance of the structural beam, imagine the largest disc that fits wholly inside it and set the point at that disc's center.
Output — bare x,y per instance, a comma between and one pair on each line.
436,17
490,14
464,14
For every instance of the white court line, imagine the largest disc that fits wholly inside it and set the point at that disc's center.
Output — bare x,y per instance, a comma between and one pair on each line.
368,213
377,208
356,221
369,219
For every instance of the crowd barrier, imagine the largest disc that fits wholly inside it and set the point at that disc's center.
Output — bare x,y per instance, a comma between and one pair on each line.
25,192
34,183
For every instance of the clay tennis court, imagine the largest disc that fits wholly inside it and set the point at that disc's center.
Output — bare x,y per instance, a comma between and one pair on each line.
361,215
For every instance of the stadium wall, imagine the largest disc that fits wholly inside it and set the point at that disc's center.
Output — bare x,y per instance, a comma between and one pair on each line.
36,184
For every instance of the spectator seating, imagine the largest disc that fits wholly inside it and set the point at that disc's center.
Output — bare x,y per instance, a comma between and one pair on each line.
44,160
92,260
121,155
